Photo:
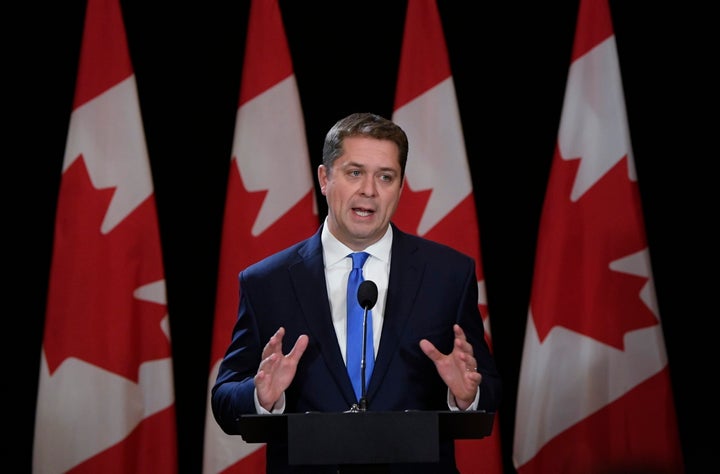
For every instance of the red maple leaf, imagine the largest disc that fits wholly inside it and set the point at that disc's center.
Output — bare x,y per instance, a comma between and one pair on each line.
573,285
92,313
457,229
240,248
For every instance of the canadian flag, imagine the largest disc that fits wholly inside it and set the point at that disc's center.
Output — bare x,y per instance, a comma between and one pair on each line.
105,398
270,202
594,392
438,201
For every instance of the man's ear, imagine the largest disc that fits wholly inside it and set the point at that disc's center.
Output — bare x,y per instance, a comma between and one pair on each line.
322,173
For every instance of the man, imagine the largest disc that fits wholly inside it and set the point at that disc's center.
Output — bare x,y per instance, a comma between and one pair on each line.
288,352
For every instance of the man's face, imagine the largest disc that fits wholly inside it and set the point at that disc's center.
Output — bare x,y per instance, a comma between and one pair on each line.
362,190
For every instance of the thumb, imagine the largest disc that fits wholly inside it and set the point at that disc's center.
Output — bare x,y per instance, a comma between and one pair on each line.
430,350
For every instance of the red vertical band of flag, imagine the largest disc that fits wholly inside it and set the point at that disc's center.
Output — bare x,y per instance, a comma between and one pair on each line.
106,398
438,201
594,391
270,202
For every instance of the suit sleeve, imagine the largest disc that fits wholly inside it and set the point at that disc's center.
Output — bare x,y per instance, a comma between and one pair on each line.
470,320
232,394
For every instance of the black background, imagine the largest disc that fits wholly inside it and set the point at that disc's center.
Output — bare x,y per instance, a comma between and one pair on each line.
509,61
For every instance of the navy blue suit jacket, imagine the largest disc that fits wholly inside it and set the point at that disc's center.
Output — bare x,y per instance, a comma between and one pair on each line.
430,288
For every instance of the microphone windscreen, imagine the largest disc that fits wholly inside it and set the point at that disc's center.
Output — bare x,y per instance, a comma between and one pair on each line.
367,294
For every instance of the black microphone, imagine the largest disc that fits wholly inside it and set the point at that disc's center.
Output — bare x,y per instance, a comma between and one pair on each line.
367,297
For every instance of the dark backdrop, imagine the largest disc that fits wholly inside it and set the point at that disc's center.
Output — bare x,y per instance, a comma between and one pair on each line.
509,62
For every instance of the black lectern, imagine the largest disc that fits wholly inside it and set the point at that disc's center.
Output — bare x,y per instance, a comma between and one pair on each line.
368,439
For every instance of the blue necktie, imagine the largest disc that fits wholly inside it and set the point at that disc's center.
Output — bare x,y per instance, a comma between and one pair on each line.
355,327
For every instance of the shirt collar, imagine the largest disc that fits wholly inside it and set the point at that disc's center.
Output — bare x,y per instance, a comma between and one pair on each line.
335,251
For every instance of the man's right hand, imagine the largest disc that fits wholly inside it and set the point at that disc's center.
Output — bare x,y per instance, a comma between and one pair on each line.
277,370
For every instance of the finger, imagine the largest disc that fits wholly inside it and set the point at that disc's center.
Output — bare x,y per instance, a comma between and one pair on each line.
474,376
267,365
461,341
463,345
299,348
459,333
430,350
274,344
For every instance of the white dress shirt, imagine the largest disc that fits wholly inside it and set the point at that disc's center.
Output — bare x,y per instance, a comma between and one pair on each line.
338,265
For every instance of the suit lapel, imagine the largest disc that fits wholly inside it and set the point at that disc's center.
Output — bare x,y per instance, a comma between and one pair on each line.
308,276
403,286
